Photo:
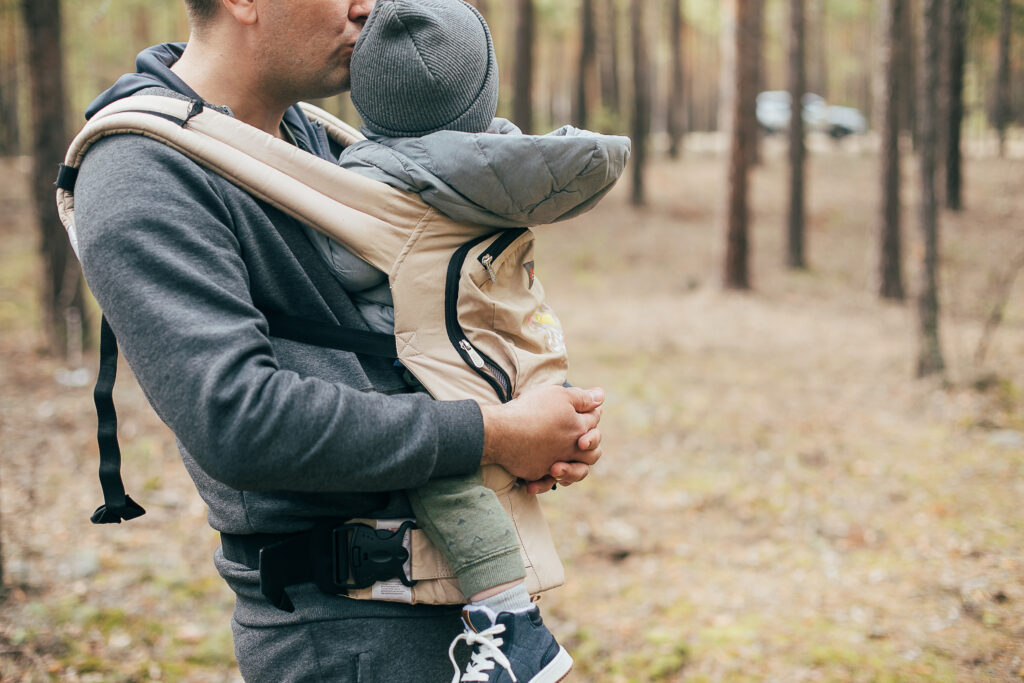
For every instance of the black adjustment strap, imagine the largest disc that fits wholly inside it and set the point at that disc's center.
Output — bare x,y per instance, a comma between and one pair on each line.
321,334
337,558
66,178
117,505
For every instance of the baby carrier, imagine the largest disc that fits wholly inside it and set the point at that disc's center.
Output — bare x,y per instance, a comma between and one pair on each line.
470,318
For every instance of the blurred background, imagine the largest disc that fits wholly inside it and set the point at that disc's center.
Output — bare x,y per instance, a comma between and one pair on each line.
810,329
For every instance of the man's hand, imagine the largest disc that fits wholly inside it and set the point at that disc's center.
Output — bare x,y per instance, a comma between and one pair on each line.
546,435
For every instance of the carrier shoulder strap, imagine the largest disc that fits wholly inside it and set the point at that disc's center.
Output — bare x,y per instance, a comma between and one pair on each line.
283,176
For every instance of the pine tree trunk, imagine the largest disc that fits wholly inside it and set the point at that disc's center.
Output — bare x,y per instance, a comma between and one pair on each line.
755,33
587,72
908,71
1003,77
795,257
929,359
63,301
890,264
955,103
608,56
522,87
10,133
641,100
737,267
676,99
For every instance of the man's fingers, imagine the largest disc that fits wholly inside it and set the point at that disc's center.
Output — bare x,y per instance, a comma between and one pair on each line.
590,441
586,400
566,473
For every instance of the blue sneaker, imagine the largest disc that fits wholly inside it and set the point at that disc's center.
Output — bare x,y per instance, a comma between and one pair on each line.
511,647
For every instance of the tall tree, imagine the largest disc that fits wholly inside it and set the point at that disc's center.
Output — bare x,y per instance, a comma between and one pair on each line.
890,263
1003,78
737,267
929,357
954,110
795,257
641,99
522,87
908,71
10,133
755,34
63,301
608,56
586,75
676,98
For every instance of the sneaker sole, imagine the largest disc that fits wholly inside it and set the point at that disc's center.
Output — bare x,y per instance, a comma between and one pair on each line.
557,669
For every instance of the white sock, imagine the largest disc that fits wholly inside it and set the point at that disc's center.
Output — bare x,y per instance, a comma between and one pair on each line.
514,599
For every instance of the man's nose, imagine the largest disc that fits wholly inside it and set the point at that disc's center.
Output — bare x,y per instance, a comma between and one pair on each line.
359,10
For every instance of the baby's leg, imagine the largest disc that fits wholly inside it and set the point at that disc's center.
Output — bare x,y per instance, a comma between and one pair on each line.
464,519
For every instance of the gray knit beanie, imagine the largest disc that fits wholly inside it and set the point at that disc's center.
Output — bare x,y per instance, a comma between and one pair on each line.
421,66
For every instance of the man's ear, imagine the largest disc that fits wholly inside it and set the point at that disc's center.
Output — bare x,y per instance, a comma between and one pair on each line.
243,11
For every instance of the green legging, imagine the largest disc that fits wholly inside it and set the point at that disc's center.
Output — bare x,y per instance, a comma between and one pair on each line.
464,519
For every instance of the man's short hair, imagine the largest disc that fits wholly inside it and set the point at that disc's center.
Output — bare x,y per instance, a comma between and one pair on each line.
201,11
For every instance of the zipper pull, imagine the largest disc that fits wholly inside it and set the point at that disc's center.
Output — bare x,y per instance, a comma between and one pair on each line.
486,261
478,362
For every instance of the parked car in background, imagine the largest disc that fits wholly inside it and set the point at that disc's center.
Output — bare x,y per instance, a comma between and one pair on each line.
773,111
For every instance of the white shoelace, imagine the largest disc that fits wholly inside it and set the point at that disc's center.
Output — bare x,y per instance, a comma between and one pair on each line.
482,661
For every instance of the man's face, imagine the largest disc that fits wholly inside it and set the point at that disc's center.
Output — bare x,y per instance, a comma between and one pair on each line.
306,45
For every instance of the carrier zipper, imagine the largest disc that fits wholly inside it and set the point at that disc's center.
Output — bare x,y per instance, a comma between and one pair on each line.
506,238
484,366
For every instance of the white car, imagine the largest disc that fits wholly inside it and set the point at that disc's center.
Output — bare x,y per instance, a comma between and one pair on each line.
773,110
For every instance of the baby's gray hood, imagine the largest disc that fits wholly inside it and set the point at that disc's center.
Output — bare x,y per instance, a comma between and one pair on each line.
499,178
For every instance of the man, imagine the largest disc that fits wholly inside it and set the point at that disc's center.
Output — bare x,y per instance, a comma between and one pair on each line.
280,436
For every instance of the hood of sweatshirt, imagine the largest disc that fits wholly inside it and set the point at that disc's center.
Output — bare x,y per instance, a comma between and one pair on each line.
153,70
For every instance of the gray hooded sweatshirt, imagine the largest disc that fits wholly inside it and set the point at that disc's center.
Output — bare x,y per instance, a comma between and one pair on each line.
497,179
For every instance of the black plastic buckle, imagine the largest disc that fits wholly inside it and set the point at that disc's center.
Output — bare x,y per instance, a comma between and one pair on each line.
364,555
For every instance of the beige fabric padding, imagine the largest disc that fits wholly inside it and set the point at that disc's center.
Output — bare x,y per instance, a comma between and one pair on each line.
501,312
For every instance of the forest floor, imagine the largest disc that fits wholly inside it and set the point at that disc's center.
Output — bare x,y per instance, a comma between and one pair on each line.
780,499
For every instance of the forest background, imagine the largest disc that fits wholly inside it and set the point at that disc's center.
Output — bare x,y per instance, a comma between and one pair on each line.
813,350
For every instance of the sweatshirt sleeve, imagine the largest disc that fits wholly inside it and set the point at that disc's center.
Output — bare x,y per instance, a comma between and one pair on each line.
159,252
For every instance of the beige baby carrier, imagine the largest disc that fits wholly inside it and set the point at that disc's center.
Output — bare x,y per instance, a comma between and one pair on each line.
470,318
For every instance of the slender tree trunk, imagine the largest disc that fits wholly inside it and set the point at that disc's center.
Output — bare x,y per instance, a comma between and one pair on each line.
522,87
737,267
641,100
63,302
608,55
756,35
676,99
795,257
908,71
955,107
10,133
890,264
1003,85
587,73
929,359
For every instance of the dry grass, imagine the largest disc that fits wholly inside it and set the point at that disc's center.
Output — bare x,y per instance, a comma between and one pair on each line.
780,500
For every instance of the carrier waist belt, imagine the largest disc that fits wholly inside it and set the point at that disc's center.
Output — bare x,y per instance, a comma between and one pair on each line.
338,558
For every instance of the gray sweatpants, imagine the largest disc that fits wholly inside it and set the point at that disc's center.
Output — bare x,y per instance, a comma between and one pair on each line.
337,640
464,519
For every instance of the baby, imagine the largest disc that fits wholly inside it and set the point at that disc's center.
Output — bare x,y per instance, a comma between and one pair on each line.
425,82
